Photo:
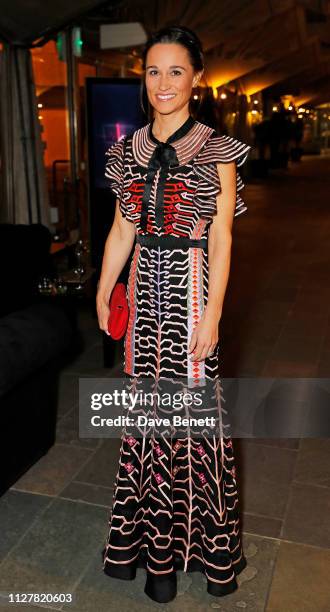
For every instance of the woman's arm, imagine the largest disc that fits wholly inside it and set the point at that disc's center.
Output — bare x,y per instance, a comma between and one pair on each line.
117,249
220,240
205,336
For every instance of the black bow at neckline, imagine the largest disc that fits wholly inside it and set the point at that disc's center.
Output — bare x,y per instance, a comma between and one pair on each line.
164,157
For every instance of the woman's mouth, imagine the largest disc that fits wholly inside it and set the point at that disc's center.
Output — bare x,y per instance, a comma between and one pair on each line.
165,97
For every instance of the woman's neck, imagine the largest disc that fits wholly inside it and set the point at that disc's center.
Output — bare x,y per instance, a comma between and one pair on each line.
165,125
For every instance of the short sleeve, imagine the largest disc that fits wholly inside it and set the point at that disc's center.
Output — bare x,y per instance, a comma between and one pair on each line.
223,149
114,171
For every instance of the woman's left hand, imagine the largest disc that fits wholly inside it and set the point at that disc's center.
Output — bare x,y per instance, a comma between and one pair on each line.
204,338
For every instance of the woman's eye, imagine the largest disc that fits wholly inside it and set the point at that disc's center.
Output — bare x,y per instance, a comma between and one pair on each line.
175,72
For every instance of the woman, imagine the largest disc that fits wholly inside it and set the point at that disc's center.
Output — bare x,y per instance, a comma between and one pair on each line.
175,504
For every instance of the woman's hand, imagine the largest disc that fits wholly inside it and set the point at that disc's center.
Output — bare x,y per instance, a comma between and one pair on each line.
103,311
117,249
204,338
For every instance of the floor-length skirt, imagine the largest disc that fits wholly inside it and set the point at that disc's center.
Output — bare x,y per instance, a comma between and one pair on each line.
176,507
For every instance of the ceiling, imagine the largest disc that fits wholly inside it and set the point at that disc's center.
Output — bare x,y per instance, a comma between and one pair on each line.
281,45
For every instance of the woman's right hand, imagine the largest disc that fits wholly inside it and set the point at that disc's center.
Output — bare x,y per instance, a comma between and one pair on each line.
103,311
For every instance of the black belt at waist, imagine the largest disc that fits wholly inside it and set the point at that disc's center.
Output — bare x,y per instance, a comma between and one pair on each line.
171,242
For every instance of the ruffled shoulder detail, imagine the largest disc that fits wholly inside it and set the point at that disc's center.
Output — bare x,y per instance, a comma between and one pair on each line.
114,170
217,149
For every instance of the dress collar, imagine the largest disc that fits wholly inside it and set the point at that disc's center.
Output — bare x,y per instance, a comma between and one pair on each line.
179,133
187,141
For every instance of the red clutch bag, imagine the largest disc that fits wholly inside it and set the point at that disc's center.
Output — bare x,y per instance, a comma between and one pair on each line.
119,311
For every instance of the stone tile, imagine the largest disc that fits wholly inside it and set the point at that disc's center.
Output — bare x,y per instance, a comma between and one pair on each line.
266,474
279,293
67,431
264,309
313,462
261,525
69,388
93,494
262,333
284,368
309,302
292,443
87,361
252,360
301,349
99,592
311,323
25,607
307,517
103,465
300,580
253,582
68,393
90,335
54,470
17,512
56,550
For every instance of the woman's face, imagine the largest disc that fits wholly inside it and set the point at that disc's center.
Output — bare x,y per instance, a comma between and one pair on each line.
169,77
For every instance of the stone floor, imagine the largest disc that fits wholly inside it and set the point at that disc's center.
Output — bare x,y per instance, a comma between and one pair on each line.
275,323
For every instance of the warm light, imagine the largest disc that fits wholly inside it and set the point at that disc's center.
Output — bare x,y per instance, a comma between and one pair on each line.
290,107
300,116
40,105
40,117
254,112
255,101
195,97
307,111
275,109
301,110
223,96
325,116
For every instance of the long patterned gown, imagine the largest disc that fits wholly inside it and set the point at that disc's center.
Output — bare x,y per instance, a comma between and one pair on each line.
175,504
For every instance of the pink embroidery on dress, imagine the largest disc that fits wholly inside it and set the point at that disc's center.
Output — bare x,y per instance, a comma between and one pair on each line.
130,440
175,470
159,478
201,450
202,478
159,452
177,445
129,467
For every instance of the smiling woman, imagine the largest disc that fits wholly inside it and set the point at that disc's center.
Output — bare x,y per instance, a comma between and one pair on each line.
175,504
169,83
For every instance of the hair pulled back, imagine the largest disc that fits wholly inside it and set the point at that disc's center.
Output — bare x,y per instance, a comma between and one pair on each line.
182,36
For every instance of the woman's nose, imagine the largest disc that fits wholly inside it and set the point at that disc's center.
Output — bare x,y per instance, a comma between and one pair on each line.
164,82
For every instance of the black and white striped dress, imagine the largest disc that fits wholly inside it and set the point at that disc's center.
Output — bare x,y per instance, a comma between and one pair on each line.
175,504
